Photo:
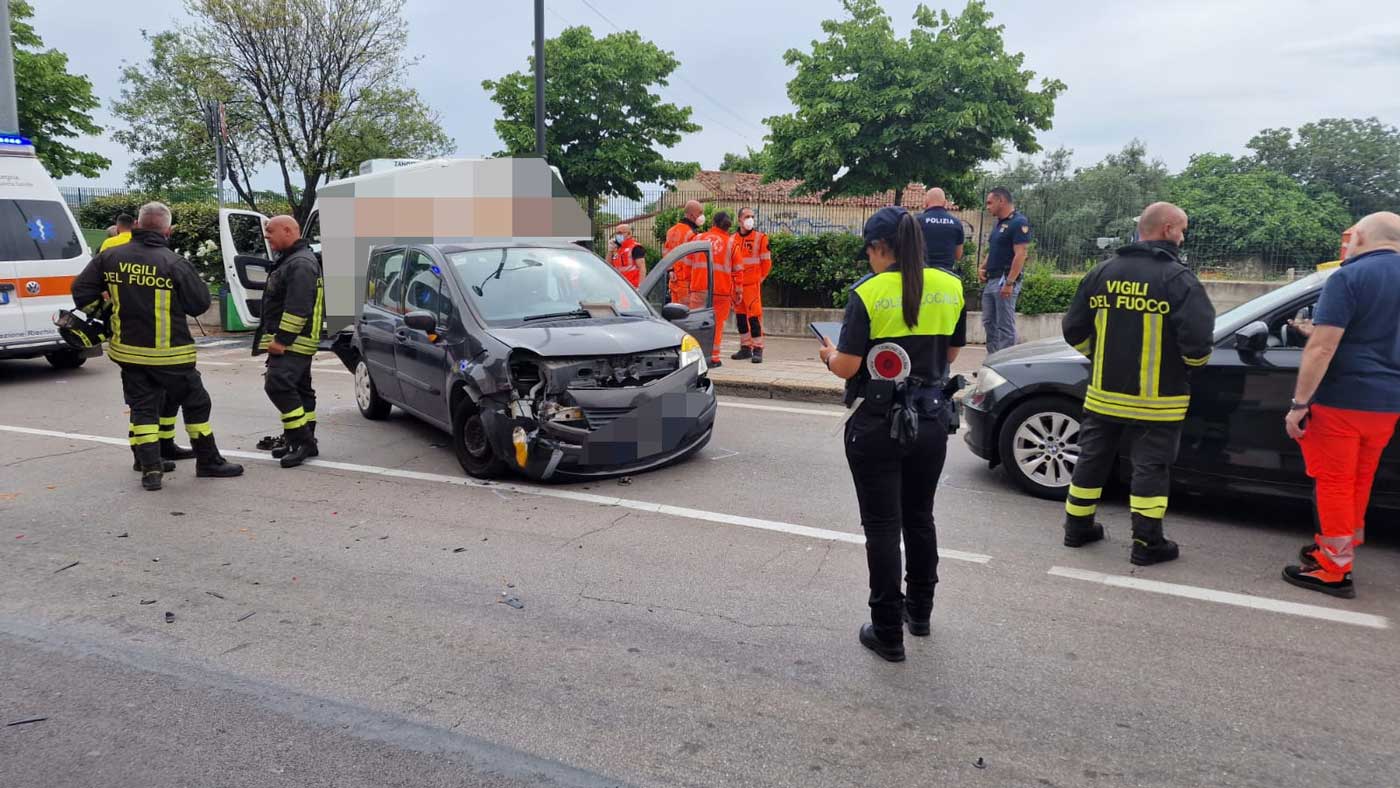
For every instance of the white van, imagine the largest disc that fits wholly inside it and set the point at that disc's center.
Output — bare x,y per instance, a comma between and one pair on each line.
41,253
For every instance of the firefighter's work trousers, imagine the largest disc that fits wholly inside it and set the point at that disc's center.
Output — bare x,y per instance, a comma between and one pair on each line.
722,303
1342,449
288,384
152,392
748,317
1151,447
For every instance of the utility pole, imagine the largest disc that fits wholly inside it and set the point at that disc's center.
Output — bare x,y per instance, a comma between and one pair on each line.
539,78
9,114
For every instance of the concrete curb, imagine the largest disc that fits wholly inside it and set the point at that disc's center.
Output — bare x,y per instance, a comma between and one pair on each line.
779,389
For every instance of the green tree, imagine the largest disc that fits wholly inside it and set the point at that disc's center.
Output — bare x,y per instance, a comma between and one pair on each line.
877,112
1356,159
749,161
313,87
53,104
605,121
1239,213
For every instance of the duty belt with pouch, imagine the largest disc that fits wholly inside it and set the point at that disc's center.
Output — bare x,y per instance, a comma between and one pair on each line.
901,403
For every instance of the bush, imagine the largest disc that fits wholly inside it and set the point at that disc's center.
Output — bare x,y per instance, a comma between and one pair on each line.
196,226
828,263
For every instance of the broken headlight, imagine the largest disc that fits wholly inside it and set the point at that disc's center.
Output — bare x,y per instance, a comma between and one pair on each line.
692,353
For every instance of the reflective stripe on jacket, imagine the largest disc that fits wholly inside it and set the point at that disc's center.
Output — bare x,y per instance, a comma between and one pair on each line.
294,302
751,259
1144,321
152,290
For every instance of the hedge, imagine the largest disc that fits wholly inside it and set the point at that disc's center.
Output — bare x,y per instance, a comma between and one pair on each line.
196,226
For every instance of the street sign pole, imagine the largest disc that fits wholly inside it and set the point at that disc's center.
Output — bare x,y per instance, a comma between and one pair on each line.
9,113
539,79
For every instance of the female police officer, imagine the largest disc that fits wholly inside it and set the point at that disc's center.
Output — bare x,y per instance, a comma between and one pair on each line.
903,327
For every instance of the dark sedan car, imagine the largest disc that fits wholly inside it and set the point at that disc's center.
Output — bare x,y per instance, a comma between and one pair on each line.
1024,410
536,358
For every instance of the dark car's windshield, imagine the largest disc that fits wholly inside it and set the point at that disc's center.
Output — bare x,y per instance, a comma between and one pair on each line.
515,284
1229,322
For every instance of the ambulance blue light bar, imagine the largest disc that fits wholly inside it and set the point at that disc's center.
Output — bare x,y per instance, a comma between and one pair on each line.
14,139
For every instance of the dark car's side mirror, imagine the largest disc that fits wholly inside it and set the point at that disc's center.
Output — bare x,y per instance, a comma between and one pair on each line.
675,312
1253,338
421,321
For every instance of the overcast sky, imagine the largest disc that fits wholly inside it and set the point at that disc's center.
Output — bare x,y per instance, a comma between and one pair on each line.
1185,77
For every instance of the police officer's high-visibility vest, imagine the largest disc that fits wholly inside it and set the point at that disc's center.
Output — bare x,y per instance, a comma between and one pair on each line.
882,298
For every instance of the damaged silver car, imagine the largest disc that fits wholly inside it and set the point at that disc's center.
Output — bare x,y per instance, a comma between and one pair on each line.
539,359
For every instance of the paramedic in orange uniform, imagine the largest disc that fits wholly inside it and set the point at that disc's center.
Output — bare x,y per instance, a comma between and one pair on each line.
621,257
720,241
684,231
751,261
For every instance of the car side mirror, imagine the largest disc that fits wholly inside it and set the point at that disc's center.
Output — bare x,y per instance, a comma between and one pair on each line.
1253,338
421,321
675,312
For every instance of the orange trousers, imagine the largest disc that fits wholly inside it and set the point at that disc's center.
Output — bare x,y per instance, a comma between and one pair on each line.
723,302
748,317
1343,449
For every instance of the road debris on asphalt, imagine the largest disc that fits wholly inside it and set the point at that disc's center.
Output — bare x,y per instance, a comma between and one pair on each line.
148,602
169,617
459,550
27,721
215,594
245,617
512,600
70,566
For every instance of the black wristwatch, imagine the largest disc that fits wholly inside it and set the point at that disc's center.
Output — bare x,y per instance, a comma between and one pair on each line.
1294,404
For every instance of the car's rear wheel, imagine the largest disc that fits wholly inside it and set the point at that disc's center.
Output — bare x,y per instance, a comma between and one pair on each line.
472,444
372,406
1039,445
66,359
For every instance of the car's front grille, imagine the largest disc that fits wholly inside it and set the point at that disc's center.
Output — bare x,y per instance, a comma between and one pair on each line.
599,418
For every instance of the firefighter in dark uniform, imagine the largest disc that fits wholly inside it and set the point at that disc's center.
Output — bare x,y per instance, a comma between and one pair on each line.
150,290
290,333
1145,322
908,321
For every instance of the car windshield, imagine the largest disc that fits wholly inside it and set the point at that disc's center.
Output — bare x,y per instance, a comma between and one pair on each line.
1227,323
536,283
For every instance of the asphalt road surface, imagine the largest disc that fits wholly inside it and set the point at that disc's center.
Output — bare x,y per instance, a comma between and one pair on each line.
347,623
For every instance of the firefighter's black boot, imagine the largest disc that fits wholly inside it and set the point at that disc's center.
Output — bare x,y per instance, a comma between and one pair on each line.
301,447
170,450
1149,546
148,460
744,352
151,480
1080,531
166,465
209,464
281,451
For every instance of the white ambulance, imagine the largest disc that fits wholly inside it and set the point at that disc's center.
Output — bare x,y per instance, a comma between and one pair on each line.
41,253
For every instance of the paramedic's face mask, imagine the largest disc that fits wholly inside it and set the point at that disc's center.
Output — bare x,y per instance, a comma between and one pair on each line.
700,220
747,223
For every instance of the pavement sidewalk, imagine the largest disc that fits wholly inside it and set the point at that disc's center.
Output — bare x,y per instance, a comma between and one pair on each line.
792,370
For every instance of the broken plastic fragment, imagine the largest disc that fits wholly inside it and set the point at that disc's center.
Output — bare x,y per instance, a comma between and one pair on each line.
169,617
512,600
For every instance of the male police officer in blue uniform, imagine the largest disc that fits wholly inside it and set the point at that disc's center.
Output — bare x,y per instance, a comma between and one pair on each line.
943,232
1001,271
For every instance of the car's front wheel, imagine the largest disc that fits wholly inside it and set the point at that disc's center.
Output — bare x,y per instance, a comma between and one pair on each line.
372,406
1039,445
66,359
473,446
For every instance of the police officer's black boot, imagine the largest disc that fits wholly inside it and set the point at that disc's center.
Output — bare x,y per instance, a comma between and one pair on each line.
889,650
166,465
302,446
1149,546
1080,531
170,450
209,464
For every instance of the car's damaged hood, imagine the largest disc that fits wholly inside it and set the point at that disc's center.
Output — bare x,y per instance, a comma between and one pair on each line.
606,337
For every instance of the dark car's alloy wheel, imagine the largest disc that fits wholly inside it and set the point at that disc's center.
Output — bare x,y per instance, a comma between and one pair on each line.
1040,446
372,406
472,444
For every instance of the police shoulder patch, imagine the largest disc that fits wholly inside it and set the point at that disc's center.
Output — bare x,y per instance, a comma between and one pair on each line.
1025,228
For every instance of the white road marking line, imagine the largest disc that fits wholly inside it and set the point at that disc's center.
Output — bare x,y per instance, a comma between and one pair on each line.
216,364
779,409
1225,597
218,343
542,492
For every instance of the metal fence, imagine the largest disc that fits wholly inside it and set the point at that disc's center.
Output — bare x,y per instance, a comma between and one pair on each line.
1069,238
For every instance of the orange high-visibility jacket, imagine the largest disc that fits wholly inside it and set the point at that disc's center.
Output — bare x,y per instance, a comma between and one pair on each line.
751,260
622,260
680,233
724,280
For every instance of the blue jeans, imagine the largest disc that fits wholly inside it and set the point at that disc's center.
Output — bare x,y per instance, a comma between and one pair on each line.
999,315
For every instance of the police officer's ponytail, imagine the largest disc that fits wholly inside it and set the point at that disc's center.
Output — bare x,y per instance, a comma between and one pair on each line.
908,247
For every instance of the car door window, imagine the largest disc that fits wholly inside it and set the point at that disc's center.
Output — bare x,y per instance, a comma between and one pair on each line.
422,287
386,284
